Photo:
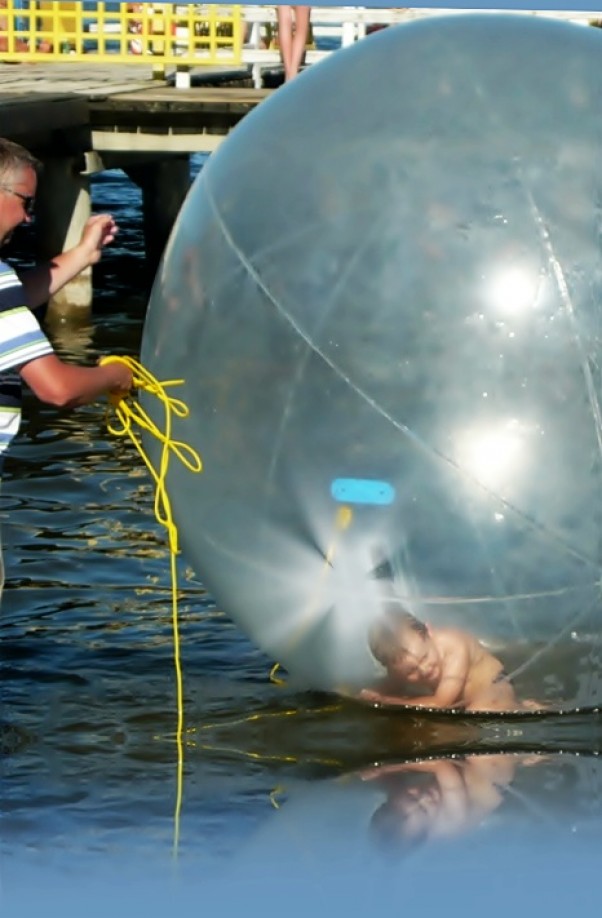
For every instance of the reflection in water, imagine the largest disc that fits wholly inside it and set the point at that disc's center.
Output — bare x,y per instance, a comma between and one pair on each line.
403,804
440,798
480,831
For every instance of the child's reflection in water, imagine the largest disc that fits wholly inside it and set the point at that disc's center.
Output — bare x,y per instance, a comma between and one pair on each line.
439,798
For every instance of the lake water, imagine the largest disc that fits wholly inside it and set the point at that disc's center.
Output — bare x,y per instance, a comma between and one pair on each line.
288,801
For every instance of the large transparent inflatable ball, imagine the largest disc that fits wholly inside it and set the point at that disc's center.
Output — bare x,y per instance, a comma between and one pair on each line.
384,296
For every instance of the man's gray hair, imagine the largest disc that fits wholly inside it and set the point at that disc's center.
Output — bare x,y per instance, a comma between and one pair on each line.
13,156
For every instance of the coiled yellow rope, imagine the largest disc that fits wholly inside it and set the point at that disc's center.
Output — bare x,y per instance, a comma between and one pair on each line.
130,419
130,414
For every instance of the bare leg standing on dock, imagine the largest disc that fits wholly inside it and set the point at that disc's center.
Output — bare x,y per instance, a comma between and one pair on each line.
293,30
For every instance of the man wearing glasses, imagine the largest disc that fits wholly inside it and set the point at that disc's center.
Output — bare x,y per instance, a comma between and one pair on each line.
25,351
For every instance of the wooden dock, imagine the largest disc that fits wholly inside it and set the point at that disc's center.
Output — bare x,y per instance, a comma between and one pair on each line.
80,119
123,109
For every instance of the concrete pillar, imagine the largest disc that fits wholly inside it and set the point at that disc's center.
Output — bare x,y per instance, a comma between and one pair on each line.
62,208
164,185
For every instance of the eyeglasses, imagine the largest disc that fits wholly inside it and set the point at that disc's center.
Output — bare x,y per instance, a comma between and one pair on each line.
28,200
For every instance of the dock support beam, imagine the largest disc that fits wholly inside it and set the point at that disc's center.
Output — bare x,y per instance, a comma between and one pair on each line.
62,208
164,185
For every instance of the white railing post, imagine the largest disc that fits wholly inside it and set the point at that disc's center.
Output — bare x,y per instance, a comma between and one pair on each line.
348,30
255,35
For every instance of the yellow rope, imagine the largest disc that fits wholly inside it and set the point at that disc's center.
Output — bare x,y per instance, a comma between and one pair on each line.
255,718
343,519
130,415
274,795
277,680
264,715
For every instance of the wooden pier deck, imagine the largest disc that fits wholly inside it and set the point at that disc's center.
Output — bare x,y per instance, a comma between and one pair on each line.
122,107
80,119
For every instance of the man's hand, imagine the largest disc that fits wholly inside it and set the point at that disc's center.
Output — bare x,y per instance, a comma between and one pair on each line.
99,231
45,280
121,380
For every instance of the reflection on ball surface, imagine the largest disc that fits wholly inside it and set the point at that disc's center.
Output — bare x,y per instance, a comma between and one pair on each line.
384,295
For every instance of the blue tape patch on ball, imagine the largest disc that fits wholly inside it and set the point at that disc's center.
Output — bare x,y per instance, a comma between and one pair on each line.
362,491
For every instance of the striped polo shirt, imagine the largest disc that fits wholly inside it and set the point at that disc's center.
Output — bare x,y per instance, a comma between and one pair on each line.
21,340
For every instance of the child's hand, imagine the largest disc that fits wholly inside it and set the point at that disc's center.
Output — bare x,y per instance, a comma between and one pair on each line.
370,695
529,704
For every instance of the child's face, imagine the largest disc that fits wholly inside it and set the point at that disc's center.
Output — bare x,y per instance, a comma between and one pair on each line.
416,659
419,809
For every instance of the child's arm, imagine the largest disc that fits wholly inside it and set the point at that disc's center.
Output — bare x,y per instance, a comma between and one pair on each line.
439,699
455,661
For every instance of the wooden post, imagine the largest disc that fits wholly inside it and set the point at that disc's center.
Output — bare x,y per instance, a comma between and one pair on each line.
164,185
62,208
182,77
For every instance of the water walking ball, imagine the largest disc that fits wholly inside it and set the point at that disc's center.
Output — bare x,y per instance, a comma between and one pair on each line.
384,295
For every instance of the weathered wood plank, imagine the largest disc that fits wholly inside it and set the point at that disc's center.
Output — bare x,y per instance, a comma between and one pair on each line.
45,121
55,97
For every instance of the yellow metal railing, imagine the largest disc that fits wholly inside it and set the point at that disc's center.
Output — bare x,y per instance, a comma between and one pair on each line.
187,34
